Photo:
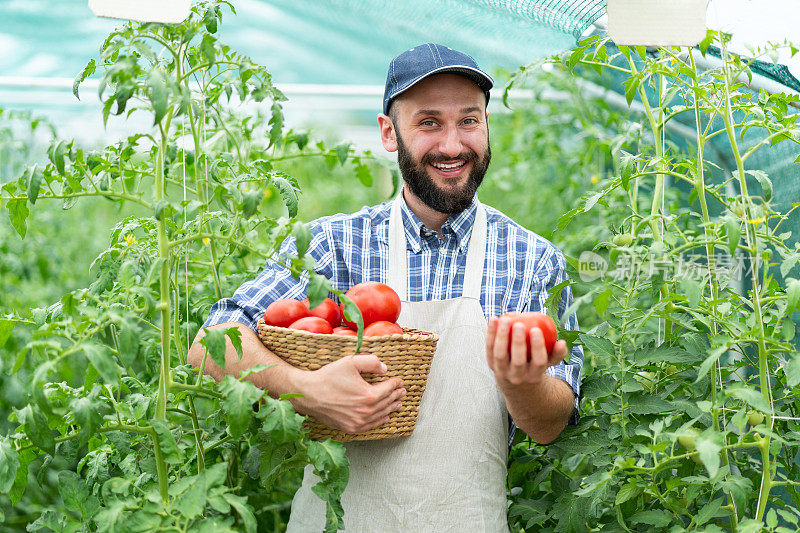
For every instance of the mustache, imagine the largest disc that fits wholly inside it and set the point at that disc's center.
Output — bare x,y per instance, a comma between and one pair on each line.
469,156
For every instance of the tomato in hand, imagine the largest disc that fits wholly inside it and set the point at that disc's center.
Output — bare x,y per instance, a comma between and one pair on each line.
530,320
376,302
345,332
327,310
381,328
283,313
314,324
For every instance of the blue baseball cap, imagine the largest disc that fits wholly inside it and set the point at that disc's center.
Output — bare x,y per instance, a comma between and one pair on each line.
426,60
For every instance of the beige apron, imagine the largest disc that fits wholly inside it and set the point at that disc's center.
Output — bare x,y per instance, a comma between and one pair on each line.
450,474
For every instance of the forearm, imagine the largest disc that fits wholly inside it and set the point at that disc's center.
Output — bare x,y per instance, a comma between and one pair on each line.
540,409
281,378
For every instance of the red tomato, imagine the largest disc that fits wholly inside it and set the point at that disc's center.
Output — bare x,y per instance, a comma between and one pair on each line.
381,328
314,324
530,320
327,310
376,302
346,332
282,313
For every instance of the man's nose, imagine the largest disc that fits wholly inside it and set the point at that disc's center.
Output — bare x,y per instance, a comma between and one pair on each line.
450,144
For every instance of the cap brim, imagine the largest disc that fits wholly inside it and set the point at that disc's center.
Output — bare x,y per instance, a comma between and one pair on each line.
483,80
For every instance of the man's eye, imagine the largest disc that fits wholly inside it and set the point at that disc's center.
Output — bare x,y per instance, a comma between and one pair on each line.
470,121
428,123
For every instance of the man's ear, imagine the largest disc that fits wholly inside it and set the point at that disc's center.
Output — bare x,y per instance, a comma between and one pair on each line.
388,135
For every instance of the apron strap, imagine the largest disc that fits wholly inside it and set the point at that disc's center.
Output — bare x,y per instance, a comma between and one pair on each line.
398,255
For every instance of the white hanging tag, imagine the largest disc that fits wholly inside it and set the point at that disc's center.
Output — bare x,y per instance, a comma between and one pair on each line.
657,22
168,11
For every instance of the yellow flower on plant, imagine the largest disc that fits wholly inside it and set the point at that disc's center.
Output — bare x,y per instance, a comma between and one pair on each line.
206,241
130,239
756,221
594,179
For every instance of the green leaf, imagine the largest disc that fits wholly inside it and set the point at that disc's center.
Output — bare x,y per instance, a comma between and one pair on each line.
167,441
793,293
102,359
47,520
708,511
353,314
128,335
276,125
627,492
750,396
88,413
791,368
318,289
158,94
87,71
342,152
600,346
245,511
601,301
364,175
733,229
288,192
75,495
251,201
302,236
237,402
207,49
280,421
646,405
709,361
652,517
26,457
6,327
235,337
9,463
692,290
36,428
763,179
214,341
33,179
708,449
18,214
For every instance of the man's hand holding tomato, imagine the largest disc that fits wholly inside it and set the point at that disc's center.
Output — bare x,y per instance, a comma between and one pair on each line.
539,403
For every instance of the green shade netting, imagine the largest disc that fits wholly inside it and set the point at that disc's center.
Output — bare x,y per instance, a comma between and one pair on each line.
307,41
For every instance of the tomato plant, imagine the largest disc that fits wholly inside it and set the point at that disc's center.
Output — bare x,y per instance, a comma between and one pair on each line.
677,355
112,423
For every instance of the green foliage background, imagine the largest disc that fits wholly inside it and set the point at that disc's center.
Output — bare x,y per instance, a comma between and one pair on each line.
667,358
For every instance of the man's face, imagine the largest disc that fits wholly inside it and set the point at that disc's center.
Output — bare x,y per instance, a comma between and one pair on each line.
442,141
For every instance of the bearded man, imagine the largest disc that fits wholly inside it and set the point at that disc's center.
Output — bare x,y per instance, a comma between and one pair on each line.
457,265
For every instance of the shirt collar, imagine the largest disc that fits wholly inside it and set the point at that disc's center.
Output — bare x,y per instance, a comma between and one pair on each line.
460,224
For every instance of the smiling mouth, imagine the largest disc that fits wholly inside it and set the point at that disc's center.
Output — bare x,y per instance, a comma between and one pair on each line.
449,167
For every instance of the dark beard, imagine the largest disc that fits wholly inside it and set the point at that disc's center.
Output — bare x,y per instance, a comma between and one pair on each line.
422,185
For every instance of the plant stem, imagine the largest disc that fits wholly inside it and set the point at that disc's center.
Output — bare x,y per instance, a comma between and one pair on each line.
766,477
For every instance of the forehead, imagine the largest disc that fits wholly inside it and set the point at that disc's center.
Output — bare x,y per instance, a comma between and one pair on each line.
443,92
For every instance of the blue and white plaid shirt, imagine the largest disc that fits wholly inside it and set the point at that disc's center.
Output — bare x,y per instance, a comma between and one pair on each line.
521,267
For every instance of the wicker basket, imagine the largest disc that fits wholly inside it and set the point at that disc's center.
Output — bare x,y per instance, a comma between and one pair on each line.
407,356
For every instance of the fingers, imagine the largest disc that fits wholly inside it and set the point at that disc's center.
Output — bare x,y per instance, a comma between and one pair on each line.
368,363
559,354
499,349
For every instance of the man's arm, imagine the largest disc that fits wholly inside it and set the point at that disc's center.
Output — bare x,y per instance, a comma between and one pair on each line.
336,394
539,404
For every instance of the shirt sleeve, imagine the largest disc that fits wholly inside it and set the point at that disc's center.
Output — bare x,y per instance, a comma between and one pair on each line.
552,272
274,282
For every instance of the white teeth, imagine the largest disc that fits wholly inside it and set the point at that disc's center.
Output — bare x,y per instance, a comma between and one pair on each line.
449,166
